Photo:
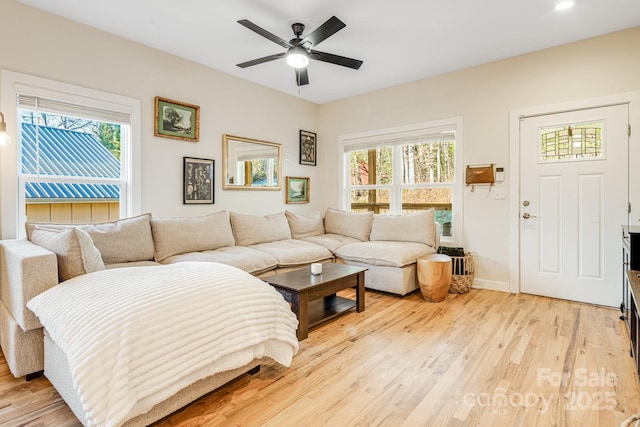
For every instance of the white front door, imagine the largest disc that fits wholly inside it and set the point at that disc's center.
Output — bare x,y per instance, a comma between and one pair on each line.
573,202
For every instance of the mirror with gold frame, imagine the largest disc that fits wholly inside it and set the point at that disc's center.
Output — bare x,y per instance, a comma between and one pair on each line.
250,164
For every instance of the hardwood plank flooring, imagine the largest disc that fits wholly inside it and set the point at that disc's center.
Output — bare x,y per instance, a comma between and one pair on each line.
484,358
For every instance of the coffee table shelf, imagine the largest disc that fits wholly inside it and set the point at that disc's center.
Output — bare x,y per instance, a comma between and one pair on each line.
323,310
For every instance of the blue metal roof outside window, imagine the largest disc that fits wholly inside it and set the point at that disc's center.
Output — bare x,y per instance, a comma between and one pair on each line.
67,153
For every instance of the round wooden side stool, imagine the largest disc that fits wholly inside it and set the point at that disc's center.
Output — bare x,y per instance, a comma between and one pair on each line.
434,276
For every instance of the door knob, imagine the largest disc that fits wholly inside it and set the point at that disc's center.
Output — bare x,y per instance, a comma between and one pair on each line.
526,215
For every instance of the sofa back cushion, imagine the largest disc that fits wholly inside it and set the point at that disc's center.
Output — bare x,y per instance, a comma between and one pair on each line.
174,236
74,250
417,227
251,229
350,224
124,240
305,225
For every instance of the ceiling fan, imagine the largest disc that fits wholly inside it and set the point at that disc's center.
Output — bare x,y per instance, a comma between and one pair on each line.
299,50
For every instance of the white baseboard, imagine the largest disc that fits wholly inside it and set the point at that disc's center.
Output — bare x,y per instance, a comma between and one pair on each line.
490,284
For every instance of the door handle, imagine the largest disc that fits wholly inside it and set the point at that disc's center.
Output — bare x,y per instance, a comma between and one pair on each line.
527,215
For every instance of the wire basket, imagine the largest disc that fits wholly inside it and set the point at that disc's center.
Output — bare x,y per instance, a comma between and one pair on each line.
463,273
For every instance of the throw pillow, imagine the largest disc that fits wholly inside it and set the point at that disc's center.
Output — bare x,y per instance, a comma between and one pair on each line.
124,240
305,225
251,230
76,253
417,227
174,236
350,224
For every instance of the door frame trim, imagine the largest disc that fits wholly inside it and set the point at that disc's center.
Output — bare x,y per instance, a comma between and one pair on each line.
515,117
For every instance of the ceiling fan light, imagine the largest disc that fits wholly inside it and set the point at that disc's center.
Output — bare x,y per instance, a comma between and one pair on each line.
297,57
564,5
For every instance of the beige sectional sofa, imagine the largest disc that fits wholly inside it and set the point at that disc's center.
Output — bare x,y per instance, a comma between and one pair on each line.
387,246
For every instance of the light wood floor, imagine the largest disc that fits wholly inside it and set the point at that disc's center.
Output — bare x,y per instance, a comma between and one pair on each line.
485,358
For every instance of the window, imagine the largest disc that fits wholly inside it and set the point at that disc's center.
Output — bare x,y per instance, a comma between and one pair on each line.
403,171
571,142
74,153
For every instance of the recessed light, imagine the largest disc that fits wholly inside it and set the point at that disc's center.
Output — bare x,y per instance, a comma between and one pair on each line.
564,5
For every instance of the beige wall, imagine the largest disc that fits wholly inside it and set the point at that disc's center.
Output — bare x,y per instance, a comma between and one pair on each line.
483,96
44,45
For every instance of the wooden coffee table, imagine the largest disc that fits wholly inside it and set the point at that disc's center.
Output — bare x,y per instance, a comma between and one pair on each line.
313,297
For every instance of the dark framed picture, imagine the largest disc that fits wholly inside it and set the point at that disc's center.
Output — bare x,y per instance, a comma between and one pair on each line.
307,148
297,189
198,181
178,120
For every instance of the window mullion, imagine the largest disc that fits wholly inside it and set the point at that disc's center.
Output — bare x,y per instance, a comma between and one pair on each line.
395,207
74,179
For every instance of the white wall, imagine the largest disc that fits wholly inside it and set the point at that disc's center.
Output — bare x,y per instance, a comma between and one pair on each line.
483,96
44,45
37,43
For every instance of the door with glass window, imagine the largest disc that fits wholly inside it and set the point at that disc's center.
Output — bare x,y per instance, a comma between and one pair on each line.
573,201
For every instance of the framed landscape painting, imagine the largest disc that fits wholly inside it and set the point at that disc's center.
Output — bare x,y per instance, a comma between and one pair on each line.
297,189
198,181
307,148
178,120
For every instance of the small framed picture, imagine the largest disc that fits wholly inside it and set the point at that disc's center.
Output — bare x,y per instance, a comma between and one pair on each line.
297,189
307,148
176,120
198,181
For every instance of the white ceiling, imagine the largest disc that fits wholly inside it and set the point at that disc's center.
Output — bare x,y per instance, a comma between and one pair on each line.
399,41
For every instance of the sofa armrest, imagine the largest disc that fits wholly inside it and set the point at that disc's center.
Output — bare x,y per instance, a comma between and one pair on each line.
26,270
436,226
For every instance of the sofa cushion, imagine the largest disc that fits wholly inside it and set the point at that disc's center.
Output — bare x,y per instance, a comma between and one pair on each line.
131,264
291,253
251,229
173,236
306,224
124,240
382,253
330,241
417,227
350,224
247,259
74,250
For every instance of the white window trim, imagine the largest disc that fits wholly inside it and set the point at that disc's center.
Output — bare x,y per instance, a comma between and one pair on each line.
12,216
424,128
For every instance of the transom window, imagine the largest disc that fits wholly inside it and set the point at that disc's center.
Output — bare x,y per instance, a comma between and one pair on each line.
571,142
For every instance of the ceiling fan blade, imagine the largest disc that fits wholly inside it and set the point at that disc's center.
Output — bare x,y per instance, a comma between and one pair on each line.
264,33
302,76
329,28
336,59
262,60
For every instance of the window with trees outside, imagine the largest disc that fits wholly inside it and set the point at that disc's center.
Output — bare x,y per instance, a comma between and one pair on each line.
405,171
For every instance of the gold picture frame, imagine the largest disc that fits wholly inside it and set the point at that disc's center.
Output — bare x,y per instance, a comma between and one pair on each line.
177,120
251,164
297,189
